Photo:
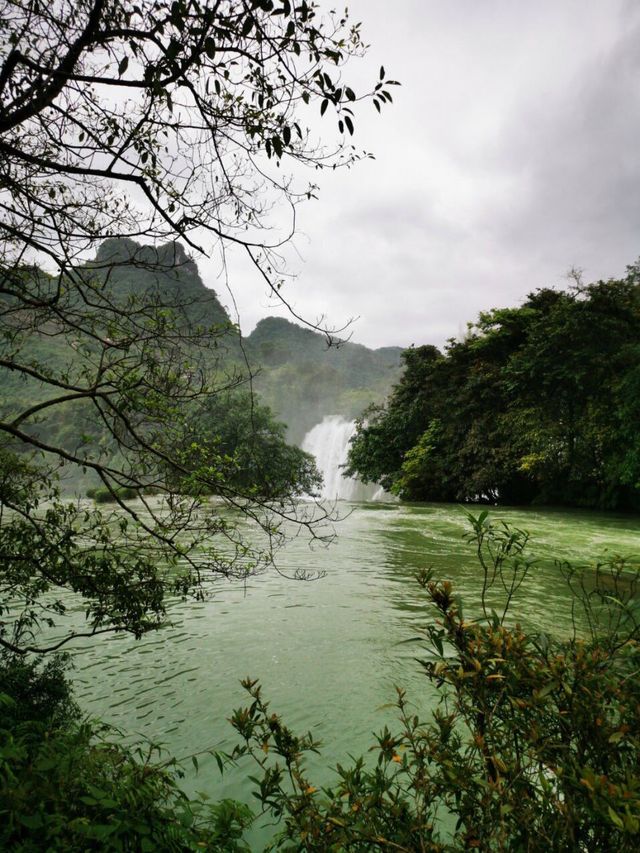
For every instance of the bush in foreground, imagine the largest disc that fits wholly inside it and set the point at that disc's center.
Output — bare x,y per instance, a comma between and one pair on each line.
534,745
69,785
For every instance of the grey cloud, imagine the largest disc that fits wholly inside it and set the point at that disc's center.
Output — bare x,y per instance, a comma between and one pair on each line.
582,167
511,154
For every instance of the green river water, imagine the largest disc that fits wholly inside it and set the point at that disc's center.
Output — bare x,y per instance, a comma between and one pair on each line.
327,652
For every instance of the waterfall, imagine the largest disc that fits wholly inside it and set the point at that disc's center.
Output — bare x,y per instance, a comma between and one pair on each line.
328,441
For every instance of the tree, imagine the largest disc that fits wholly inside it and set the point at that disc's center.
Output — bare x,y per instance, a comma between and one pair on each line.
386,433
247,447
160,121
164,120
536,404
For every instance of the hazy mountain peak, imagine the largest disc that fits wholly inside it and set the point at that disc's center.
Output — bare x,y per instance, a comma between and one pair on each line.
135,268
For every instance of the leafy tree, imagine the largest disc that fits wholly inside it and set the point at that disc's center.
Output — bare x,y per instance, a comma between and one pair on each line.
575,438
166,121
536,404
386,433
238,440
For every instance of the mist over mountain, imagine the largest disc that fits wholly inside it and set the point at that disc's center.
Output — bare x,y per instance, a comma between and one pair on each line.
303,379
295,372
289,368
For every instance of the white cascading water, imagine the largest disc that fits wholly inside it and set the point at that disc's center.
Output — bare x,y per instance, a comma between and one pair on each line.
328,441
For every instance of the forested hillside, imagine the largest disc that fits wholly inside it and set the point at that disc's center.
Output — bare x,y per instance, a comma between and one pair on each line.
131,292
303,379
296,374
131,270
538,404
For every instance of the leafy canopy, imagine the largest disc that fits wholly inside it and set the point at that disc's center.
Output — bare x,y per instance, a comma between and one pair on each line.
130,125
536,404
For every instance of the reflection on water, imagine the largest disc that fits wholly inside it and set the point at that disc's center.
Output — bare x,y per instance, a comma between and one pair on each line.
328,652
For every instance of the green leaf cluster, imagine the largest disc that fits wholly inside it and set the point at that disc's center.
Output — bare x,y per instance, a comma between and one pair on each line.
232,442
536,404
67,784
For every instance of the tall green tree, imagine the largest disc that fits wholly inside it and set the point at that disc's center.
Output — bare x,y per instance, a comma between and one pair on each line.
536,404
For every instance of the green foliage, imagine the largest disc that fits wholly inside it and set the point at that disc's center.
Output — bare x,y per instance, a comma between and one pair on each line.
244,74
420,465
135,272
230,441
533,745
79,790
305,376
68,785
105,496
35,694
538,404
52,548
386,433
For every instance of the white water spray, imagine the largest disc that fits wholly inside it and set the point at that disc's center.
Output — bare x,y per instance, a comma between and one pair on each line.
328,441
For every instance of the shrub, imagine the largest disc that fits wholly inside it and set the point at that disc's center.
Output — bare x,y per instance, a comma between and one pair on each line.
35,694
68,785
105,496
534,744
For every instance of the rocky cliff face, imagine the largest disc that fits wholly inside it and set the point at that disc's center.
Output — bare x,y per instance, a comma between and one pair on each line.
130,269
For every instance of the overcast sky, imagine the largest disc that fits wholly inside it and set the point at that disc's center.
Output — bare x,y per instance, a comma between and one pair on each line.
511,154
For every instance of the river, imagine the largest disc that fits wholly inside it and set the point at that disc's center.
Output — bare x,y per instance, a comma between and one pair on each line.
328,652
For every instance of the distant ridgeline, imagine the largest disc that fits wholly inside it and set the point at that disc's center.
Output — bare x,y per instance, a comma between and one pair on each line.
295,373
302,379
